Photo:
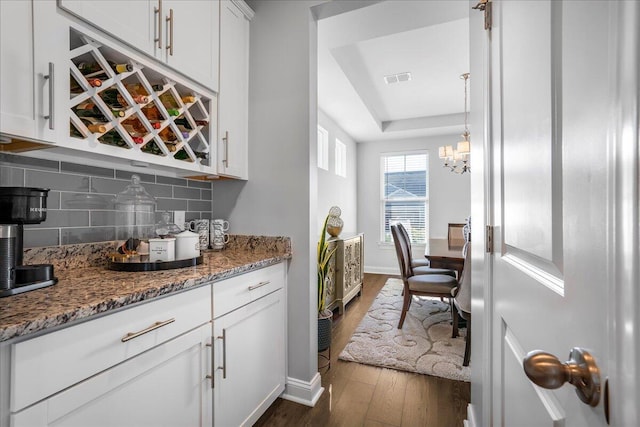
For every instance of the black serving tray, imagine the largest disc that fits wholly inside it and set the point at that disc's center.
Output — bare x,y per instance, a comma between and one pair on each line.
130,265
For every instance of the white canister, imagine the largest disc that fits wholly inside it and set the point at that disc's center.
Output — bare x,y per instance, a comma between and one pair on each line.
162,249
187,245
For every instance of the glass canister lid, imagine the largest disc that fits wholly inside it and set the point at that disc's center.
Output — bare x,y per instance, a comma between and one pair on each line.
134,194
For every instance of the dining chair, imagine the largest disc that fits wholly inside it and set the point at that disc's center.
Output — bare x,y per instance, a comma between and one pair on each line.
455,234
418,265
431,285
462,303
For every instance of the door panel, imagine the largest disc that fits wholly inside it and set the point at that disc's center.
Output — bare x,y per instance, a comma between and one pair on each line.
549,121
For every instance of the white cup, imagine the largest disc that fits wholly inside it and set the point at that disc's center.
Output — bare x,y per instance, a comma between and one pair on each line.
220,224
200,226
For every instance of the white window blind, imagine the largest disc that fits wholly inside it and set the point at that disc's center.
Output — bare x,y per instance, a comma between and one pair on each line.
323,148
341,158
404,194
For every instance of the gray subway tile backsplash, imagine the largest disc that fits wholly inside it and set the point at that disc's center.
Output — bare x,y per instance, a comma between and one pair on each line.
35,238
172,181
86,169
80,207
29,162
56,181
144,177
11,177
186,193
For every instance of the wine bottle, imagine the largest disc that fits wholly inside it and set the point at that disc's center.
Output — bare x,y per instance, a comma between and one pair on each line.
155,124
151,112
168,100
167,135
202,122
201,155
120,68
74,87
113,138
182,121
74,132
157,87
152,148
114,99
173,112
140,99
189,99
181,155
94,125
171,147
95,82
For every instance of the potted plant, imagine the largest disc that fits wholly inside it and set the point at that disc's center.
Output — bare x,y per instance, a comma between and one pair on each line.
324,315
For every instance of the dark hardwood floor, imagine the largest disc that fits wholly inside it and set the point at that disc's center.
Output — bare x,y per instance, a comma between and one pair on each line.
362,395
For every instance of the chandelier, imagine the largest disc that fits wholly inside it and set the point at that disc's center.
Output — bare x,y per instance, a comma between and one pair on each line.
457,159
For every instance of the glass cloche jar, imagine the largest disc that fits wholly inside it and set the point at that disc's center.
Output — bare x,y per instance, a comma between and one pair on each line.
135,215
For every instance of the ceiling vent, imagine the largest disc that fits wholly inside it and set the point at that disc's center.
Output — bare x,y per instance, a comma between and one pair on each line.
397,78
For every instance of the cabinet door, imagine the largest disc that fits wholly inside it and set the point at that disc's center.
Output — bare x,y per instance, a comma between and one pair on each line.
192,39
136,22
166,386
31,47
233,97
249,355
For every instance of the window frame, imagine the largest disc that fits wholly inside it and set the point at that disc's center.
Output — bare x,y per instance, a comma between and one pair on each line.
383,200
323,148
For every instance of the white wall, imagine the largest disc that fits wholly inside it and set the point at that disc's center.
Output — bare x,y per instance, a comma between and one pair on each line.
337,190
449,197
276,200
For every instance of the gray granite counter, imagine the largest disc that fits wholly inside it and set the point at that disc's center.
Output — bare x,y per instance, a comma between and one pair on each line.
86,288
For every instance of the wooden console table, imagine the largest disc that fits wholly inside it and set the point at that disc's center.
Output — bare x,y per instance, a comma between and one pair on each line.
345,270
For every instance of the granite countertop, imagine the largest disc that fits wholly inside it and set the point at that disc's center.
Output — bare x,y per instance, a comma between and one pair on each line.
86,291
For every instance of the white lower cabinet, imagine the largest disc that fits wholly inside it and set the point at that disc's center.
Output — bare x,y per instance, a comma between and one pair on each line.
249,348
165,386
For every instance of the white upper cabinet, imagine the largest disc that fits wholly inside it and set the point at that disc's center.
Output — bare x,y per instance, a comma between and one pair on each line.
191,39
181,33
233,99
132,21
30,81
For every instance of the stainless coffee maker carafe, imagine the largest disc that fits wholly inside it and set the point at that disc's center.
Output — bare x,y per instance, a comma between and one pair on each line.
19,206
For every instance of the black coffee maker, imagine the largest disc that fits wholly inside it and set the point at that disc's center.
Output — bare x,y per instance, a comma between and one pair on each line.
19,206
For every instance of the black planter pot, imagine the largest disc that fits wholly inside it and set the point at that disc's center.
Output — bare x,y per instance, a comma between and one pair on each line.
324,333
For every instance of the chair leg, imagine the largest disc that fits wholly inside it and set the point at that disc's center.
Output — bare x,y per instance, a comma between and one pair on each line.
467,345
405,307
454,313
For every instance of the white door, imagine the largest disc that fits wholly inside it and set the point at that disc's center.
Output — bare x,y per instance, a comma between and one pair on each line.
553,79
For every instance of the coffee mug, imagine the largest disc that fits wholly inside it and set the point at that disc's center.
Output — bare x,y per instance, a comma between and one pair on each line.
200,226
221,224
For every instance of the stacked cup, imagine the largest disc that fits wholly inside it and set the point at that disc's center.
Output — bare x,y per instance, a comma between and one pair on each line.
218,235
200,226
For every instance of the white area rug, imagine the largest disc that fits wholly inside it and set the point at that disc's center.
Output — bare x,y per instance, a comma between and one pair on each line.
423,345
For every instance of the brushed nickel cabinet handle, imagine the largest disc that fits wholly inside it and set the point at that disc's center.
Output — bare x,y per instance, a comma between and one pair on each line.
158,11
52,92
226,148
132,335
170,31
224,353
211,376
259,285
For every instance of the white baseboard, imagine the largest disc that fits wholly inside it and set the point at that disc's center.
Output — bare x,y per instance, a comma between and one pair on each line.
305,393
381,270
471,419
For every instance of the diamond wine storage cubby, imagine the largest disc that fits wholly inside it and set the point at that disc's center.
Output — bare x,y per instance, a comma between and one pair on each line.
122,108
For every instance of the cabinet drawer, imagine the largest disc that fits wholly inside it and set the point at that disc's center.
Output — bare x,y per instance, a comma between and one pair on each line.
237,291
46,364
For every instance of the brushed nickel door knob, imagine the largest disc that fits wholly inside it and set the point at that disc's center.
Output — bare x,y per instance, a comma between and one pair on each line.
545,370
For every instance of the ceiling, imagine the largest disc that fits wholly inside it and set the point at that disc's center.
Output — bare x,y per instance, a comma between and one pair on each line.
357,49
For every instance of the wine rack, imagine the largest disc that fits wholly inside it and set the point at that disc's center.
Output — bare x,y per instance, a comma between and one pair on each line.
120,103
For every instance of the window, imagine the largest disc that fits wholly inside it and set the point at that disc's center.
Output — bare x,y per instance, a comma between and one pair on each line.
323,148
341,158
404,194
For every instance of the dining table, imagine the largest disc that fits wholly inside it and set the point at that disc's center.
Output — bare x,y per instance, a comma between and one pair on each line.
443,254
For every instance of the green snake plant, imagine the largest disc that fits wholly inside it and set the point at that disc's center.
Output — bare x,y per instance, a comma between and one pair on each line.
324,256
